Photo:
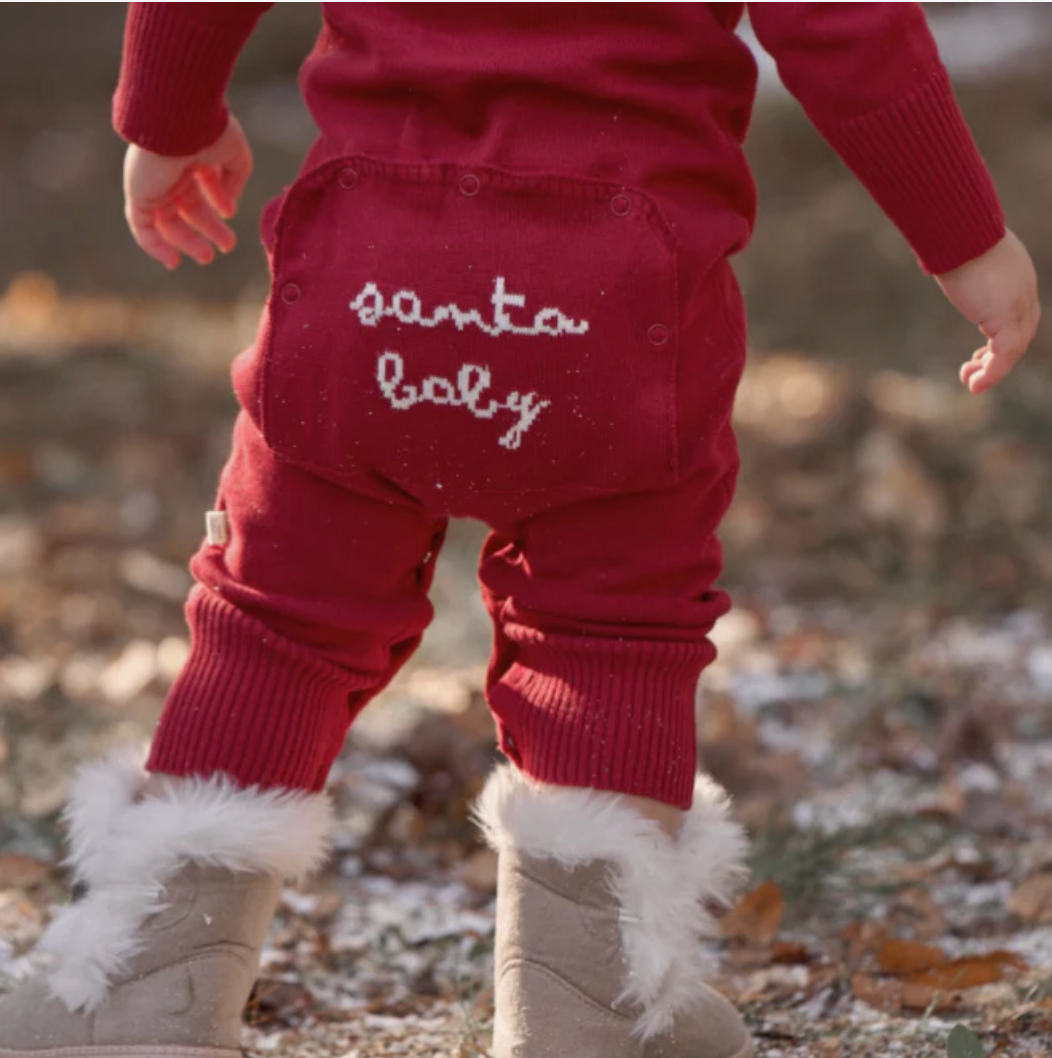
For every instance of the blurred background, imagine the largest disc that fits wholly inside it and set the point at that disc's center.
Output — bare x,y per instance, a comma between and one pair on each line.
889,661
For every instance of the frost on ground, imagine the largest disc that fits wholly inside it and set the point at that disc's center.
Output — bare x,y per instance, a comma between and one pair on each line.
902,858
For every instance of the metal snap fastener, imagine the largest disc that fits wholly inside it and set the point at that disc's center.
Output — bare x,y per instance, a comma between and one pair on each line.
348,179
469,185
290,293
658,334
621,205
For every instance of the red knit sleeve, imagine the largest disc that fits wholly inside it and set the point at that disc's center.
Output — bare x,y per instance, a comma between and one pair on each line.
177,63
870,79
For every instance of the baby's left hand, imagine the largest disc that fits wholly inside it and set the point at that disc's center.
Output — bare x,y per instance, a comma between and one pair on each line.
998,293
176,206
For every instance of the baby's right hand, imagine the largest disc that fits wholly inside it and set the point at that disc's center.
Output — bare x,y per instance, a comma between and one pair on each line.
176,206
998,293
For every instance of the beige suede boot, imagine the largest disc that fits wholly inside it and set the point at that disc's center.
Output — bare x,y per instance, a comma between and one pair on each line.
158,959
601,923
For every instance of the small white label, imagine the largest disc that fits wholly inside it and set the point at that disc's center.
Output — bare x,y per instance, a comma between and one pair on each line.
217,528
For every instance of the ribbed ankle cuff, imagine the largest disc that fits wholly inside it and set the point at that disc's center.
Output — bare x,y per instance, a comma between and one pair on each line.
603,714
252,705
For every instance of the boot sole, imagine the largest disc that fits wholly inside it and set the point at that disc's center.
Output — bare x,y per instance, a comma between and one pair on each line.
154,1050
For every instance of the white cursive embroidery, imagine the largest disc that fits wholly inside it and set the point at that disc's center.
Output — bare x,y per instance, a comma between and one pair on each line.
467,391
406,307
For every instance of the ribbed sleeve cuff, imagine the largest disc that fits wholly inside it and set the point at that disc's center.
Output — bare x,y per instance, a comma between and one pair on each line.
919,162
252,705
603,714
174,75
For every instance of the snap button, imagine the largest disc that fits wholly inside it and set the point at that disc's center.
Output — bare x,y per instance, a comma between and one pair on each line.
290,293
469,185
348,179
658,334
621,205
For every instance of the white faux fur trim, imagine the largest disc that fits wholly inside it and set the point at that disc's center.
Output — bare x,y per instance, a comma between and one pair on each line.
124,849
661,885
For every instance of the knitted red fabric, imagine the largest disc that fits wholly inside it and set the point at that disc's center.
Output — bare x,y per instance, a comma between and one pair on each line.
656,96
500,290
533,362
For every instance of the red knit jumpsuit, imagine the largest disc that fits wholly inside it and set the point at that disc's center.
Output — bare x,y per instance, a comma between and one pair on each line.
501,290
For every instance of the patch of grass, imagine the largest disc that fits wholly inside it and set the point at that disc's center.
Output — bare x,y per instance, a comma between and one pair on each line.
813,865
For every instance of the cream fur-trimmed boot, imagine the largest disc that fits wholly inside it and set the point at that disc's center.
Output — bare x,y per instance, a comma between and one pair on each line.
157,960
601,923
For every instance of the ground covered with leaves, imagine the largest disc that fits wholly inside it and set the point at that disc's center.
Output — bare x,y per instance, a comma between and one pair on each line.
879,710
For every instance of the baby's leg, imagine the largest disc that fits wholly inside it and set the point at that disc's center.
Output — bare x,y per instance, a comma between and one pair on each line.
311,607
610,845
303,611
601,614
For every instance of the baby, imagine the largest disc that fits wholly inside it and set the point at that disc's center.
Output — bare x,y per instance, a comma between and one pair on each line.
501,290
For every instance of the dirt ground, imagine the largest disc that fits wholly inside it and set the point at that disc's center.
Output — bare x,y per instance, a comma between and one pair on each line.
880,708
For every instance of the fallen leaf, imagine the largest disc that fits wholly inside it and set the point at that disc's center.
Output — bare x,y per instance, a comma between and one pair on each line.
23,872
787,953
276,1003
1032,901
860,938
900,957
882,993
757,916
923,997
970,972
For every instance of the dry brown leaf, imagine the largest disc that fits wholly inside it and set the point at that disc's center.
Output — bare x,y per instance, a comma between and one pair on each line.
789,954
757,916
923,997
275,1003
882,993
968,972
859,939
899,957
1032,901
744,958
23,872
